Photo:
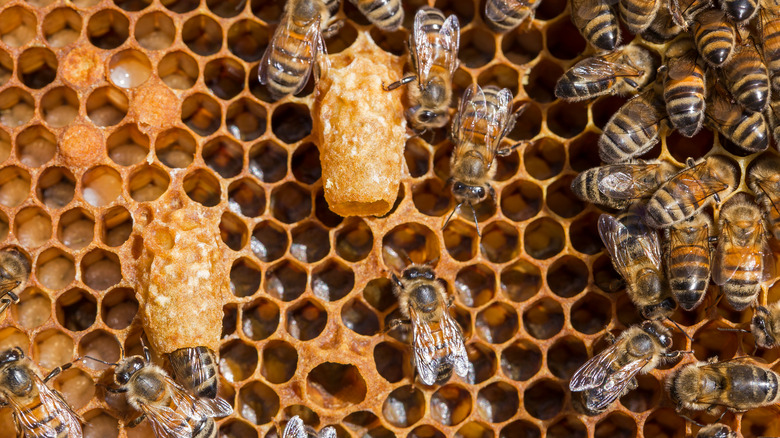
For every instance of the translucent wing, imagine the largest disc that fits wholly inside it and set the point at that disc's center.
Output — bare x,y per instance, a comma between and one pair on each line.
493,14
425,345
424,348
604,66
166,422
498,118
450,40
771,193
456,349
424,50
191,364
298,49
682,67
328,432
629,181
594,372
615,385
472,109
698,184
618,240
432,49
688,265
52,406
172,421
731,258
294,428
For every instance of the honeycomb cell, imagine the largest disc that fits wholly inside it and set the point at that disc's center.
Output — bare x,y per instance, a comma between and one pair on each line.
521,200
129,68
55,269
561,200
584,235
404,406
616,425
540,82
544,158
500,76
180,6
257,403
108,29
379,294
543,319
201,113
178,70
310,242
245,277
32,227
155,31
229,321
59,107
99,424
6,67
522,45
550,9
565,356
681,148
202,187
100,269
37,67
570,427
425,431
305,164
291,122
5,145
237,360
17,107
391,361
133,5
626,311
343,39
290,203
460,240
567,276
269,241
591,314
497,402
544,238
418,242
280,360
202,34
544,399
646,396
233,231
431,197
4,226
529,124
75,386
664,422
332,280
32,310
567,119
268,161
450,405
521,280
359,318
306,320
499,242
11,337
259,319
564,40
476,285
247,38
76,310
18,26
308,416
118,308
14,186
35,146
708,341
474,429
477,47
759,422
583,153
52,348
245,119
127,145
497,323
417,157
233,428
246,197
101,186
107,106
116,226
354,240
603,108
520,429
521,361
224,77
335,386
175,148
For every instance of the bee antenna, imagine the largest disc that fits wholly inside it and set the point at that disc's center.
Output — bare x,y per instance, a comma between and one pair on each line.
113,364
680,329
406,256
450,216
476,222
691,420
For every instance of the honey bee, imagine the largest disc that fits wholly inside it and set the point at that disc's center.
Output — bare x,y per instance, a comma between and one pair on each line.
743,259
763,178
692,189
765,325
747,78
684,11
636,256
748,130
638,14
483,119
437,341
684,87
597,22
715,37
171,410
296,47
14,273
739,10
621,72
664,28
505,15
296,429
716,430
633,129
688,259
39,412
610,374
616,185
384,14
769,32
433,48
196,370
737,384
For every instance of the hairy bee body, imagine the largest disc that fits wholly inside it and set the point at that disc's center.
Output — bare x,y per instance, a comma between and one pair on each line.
739,10
620,72
505,15
770,44
692,189
716,430
597,22
664,28
638,14
763,178
384,14
586,187
684,88
195,369
616,185
715,37
748,130
688,259
14,273
748,78
633,129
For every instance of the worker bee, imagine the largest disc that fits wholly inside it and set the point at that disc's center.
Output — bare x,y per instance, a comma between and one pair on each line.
433,48
296,429
765,325
663,28
763,178
739,10
633,129
743,259
716,430
597,22
39,412
196,370
684,87
621,72
171,410
692,189
688,259
483,119
638,14
715,37
636,256
437,341
505,15
616,185
384,14
610,374
748,130
684,11
737,384
769,31
14,273
747,78
296,46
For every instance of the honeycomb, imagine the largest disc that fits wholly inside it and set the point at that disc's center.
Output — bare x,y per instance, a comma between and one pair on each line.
105,105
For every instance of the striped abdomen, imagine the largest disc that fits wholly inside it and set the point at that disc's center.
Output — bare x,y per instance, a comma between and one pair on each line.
505,15
632,131
749,131
205,428
385,14
196,370
748,79
289,61
332,5
638,14
677,200
714,37
474,126
685,101
742,289
750,386
586,187
689,266
771,45
33,408
602,30
573,87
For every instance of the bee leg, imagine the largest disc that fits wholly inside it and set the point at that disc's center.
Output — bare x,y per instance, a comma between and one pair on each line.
397,281
19,433
690,162
112,390
394,324
135,422
397,84
632,384
333,29
55,372
610,338
450,300
7,300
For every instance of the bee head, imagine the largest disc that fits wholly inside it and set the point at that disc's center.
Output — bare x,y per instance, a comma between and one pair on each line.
305,11
127,369
416,272
760,330
426,117
468,193
11,355
659,332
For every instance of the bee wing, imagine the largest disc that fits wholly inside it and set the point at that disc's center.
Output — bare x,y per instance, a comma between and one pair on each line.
616,236
614,386
446,45
328,432
768,259
629,181
498,117
595,371
772,195
166,422
52,406
472,102
425,347
450,40
741,258
604,66
455,346
683,66
294,428
704,185
312,41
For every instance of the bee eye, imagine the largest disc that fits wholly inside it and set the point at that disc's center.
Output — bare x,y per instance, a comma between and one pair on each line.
459,186
480,192
122,378
426,115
